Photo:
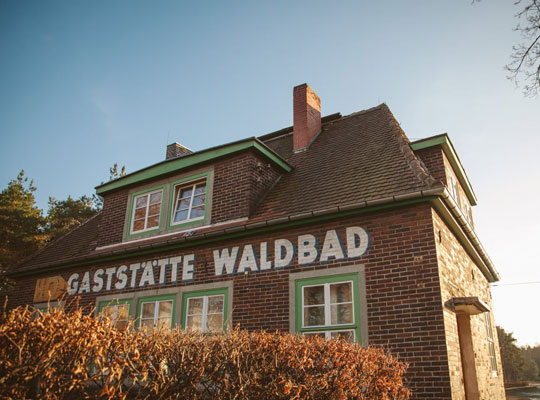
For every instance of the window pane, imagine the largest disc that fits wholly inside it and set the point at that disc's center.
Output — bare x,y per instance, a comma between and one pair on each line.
198,200
183,205
314,334
122,312
138,225
148,310
141,201
214,323
215,304
314,316
194,323
314,295
186,192
164,323
345,335
180,216
195,306
107,311
154,209
153,221
165,308
121,325
140,213
341,292
155,198
197,212
200,188
147,325
341,314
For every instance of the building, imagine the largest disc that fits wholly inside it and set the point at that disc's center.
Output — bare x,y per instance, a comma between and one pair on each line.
336,226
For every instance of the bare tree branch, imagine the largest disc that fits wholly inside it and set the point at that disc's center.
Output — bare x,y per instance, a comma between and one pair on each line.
525,64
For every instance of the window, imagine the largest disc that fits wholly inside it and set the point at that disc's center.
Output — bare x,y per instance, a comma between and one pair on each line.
189,202
156,312
491,344
328,306
146,211
117,310
205,311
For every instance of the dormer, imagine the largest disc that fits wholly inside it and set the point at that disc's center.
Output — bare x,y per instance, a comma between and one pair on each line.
188,191
440,158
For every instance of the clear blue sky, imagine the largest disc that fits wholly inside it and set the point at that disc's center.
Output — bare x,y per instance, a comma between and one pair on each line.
86,84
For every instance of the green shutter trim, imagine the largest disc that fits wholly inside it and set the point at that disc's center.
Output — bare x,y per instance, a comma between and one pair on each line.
177,164
200,293
300,283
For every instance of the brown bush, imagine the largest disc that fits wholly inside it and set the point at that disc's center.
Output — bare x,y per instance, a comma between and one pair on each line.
61,355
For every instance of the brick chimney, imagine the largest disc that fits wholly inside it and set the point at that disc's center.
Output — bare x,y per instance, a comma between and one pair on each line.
176,149
307,116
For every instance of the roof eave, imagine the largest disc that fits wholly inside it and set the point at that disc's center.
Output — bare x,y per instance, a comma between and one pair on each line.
446,144
186,161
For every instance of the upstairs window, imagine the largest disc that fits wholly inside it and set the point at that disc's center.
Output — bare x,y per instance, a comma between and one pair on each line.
189,202
146,211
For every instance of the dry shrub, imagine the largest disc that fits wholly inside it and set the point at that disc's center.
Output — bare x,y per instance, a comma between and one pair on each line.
65,355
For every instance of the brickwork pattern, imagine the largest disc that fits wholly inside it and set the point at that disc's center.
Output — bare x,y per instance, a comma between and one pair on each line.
239,184
402,289
113,216
460,277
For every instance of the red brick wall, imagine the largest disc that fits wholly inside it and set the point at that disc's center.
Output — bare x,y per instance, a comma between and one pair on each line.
433,159
111,227
402,289
239,184
460,277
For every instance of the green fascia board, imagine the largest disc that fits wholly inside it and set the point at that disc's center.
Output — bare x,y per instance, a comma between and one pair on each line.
176,164
226,236
450,152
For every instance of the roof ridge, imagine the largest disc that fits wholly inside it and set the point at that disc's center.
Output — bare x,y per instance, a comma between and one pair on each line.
417,167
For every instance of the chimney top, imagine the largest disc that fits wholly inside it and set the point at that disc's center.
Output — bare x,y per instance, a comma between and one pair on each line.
176,150
306,116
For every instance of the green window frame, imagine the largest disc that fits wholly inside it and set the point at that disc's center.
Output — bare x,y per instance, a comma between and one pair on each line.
157,300
115,303
203,176
129,231
206,295
327,328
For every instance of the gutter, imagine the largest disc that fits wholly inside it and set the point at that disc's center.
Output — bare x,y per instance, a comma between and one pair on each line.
439,198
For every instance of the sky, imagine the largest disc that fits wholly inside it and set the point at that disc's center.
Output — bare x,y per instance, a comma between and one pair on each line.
84,85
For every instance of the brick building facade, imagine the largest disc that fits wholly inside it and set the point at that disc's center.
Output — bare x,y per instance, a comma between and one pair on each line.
336,226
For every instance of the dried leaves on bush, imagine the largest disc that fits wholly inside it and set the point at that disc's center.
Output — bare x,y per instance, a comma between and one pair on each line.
65,355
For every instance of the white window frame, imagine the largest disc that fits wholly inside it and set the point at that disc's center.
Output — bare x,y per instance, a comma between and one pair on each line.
491,344
115,312
328,305
176,194
205,312
156,312
146,229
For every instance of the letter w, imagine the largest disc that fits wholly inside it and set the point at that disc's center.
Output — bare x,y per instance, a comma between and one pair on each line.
225,259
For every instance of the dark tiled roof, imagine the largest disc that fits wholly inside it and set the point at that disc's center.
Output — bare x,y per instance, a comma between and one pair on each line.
79,242
359,157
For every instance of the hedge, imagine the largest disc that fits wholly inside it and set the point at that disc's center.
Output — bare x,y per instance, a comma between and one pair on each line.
72,355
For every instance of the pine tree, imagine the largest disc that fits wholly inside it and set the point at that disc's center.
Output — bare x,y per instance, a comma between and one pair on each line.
21,224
